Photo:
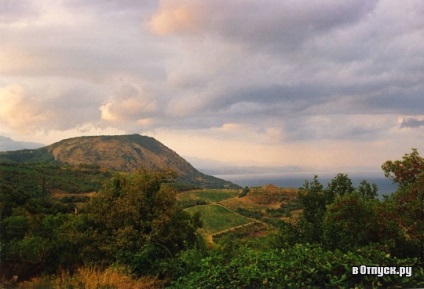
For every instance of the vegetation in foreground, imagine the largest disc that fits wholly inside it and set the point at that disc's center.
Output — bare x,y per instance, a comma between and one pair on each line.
92,277
135,228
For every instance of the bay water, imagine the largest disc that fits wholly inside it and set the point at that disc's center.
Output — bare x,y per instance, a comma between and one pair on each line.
296,180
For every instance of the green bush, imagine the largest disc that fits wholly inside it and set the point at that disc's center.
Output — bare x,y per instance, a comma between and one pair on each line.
301,266
191,203
250,214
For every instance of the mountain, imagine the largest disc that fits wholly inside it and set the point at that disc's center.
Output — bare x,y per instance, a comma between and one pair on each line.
120,153
7,144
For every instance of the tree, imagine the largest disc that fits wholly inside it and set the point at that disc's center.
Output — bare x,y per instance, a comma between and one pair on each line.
313,201
367,190
244,192
340,185
135,220
350,221
408,200
405,171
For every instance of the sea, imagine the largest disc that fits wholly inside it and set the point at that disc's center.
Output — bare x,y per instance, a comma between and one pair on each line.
296,180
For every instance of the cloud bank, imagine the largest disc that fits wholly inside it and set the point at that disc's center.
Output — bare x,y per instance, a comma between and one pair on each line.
319,84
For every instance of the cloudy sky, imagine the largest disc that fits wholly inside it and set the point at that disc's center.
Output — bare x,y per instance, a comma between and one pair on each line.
320,84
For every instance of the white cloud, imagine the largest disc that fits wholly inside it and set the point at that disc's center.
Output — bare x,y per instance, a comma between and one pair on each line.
173,17
16,112
106,114
129,103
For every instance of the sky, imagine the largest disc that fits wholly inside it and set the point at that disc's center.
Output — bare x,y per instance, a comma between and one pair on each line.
321,85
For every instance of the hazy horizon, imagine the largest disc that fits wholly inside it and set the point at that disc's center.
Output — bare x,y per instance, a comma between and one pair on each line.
297,179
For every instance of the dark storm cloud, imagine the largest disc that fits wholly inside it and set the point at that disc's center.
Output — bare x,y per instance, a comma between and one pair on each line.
411,123
273,101
338,57
397,100
285,24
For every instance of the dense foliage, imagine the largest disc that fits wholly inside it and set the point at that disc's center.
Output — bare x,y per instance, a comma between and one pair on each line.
299,266
44,179
135,222
340,227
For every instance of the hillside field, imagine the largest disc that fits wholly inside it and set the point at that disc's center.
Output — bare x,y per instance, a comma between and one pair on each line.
217,218
228,211
209,196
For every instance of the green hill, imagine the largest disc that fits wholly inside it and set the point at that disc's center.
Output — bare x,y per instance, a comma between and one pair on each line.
124,153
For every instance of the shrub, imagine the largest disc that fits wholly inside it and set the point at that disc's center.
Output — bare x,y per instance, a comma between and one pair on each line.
94,278
301,266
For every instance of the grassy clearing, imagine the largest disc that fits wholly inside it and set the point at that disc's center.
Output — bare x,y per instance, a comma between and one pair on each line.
209,196
249,231
247,203
216,218
262,198
93,278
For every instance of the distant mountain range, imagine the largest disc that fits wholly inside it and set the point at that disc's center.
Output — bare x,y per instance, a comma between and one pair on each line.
7,144
120,153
